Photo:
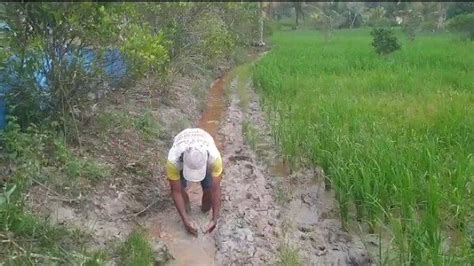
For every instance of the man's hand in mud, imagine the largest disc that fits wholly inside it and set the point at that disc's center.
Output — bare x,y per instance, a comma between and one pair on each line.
191,228
211,226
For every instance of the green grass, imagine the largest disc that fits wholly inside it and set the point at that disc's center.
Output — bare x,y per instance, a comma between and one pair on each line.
136,250
114,122
288,256
34,156
394,134
28,240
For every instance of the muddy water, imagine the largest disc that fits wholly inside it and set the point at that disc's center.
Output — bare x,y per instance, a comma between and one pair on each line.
210,119
167,226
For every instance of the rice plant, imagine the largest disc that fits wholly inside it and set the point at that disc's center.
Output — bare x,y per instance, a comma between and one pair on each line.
394,134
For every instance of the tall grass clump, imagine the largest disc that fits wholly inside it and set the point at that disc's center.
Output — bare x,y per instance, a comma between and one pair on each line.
394,134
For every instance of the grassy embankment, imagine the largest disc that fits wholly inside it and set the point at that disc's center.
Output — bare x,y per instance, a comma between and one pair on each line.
394,134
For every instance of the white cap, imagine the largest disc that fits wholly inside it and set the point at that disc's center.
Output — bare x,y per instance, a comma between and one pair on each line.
194,164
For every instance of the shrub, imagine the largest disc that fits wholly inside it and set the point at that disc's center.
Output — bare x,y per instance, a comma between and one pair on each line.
384,41
463,24
216,41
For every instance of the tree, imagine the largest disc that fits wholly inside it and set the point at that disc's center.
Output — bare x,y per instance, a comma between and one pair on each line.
463,24
262,17
459,8
411,23
356,10
298,6
376,17
66,44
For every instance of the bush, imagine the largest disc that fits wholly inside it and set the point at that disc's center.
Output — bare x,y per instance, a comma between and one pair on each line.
384,41
463,24
146,52
217,42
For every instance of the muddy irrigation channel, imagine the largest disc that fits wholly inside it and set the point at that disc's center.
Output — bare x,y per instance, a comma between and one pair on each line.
269,213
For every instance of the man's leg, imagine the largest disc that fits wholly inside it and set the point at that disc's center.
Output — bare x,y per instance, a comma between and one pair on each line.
206,185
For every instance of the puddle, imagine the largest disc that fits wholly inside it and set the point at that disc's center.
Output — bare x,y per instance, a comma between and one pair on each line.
167,226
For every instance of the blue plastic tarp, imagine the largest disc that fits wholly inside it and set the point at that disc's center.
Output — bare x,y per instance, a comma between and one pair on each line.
113,65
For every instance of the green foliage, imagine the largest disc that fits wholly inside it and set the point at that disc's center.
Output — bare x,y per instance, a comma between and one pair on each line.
40,153
460,8
52,244
47,30
97,259
26,149
147,125
116,122
250,134
136,250
218,42
394,136
463,24
5,196
146,52
384,42
288,256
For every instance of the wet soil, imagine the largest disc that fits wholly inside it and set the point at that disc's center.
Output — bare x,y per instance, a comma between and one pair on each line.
166,226
267,206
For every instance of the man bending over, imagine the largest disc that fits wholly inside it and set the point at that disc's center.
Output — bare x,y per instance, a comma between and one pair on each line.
194,157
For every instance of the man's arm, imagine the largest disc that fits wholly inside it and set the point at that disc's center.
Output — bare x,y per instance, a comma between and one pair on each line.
175,186
216,170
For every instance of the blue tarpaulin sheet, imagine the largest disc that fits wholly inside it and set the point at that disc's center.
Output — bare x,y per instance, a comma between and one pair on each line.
113,65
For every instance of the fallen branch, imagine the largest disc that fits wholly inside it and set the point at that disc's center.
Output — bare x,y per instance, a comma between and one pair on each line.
34,255
146,208
58,195
142,211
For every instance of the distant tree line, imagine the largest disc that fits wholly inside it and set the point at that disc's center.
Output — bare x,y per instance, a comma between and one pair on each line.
413,17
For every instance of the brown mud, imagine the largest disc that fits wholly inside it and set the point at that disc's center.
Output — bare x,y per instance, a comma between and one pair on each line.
268,207
166,226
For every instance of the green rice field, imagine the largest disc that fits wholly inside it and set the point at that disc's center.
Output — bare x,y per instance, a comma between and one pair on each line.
394,134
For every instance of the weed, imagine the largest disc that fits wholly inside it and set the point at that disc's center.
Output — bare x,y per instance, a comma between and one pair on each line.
38,154
281,193
97,259
288,256
250,134
147,126
136,250
243,74
112,122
